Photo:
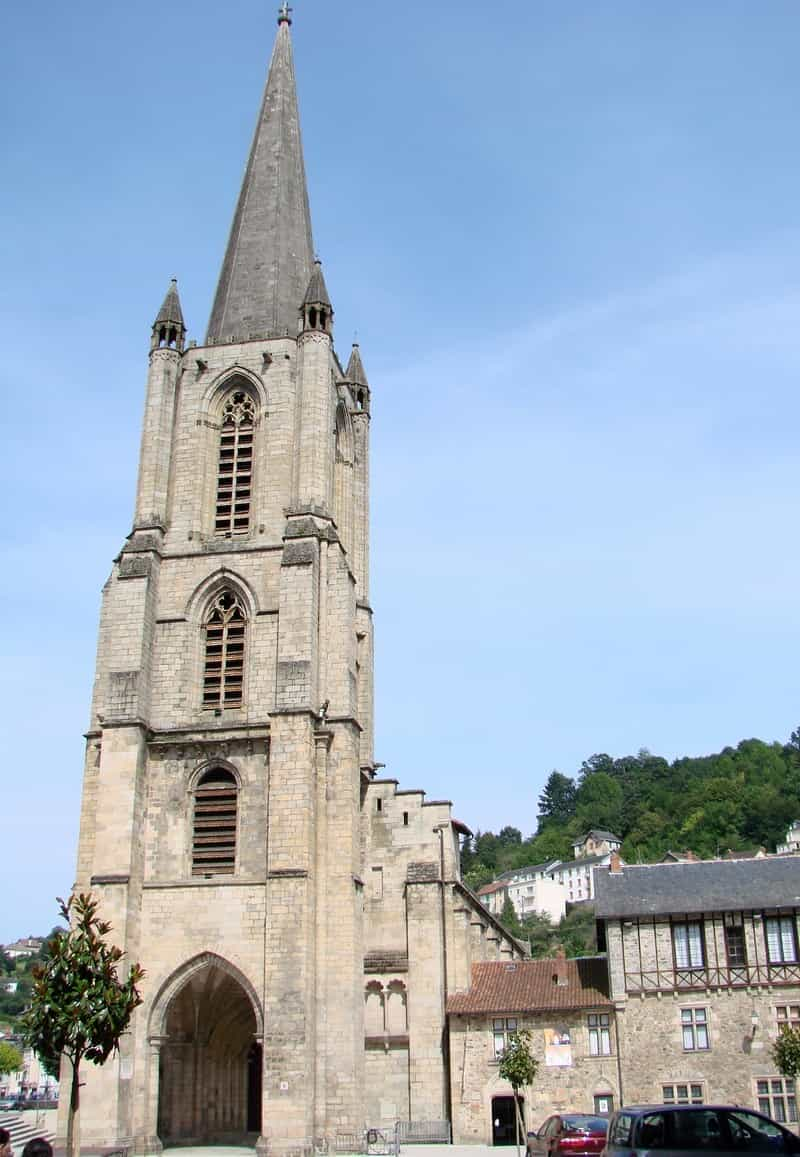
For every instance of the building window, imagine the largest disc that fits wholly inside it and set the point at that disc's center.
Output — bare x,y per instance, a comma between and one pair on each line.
214,833
687,943
781,940
235,471
694,1026
787,1015
777,1098
599,1035
502,1030
224,659
734,941
680,1094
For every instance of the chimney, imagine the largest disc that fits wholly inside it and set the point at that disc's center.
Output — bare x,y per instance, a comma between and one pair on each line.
615,864
560,967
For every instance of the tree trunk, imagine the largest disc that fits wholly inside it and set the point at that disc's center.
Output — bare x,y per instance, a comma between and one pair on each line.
520,1125
73,1117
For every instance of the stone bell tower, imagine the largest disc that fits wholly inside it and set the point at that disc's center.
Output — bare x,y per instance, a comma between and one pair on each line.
231,722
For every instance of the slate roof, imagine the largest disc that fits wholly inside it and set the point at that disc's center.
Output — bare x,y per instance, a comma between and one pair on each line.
704,886
583,862
500,986
269,258
515,873
599,834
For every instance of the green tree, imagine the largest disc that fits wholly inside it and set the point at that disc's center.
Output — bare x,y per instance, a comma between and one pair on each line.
10,1058
577,931
557,801
538,929
79,1006
510,920
786,1051
599,801
518,1067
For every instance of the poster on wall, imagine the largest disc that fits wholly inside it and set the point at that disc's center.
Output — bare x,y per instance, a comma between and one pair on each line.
557,1047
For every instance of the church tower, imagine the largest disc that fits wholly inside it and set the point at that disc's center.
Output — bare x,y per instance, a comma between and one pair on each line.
230,743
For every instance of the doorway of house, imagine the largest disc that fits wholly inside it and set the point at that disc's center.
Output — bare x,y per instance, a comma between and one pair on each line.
504,1121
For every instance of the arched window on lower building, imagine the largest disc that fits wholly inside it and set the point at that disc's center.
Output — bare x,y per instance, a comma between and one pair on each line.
214,824
374,1013
396,1013
223,673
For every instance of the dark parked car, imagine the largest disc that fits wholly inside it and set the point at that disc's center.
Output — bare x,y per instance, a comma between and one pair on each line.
569,1135
686,1130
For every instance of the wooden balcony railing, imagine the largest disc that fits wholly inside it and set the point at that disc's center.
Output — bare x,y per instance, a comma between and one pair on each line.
733,976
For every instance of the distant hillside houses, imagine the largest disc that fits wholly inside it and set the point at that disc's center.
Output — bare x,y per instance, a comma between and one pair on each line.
546,889
28,946
792,842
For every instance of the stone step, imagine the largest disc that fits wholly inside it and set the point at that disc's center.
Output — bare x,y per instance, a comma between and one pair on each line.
24,1126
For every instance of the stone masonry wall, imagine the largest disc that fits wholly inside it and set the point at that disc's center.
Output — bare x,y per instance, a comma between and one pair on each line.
475,1078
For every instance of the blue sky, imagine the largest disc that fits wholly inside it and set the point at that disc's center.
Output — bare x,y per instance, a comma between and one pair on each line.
568,239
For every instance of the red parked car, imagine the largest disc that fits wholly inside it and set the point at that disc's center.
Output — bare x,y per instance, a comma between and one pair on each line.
569,1135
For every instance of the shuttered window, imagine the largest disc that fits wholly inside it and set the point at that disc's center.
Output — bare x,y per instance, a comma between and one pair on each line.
223,674
235,471
214,831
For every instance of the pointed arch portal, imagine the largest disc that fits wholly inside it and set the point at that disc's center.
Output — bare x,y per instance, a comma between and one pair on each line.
211,1061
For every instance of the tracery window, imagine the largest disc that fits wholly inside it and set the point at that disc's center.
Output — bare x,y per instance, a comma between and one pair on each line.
223,673
235,472
214,829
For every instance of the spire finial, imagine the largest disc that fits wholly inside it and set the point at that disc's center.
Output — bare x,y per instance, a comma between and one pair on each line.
285,13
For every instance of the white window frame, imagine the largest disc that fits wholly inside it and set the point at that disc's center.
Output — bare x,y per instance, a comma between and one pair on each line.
694,1030
780,935
683,1093
777,1097
503,1027
788,1015
688,945
599,1025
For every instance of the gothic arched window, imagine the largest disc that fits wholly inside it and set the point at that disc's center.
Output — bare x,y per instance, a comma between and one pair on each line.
235,471
214,827
223,673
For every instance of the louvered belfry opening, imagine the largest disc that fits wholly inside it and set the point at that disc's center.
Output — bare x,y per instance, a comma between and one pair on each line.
235,474
224,660
214,835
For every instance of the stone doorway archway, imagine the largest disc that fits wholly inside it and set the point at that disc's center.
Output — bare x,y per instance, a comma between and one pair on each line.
210,1061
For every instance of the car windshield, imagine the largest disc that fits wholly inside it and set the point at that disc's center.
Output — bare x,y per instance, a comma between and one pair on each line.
581,1124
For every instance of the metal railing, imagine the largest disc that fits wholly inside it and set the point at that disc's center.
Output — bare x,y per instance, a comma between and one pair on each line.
422,1132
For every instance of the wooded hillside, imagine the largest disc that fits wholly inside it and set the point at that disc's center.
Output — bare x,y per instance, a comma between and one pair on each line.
742,797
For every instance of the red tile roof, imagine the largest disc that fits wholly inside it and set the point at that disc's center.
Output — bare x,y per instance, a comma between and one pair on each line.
530,986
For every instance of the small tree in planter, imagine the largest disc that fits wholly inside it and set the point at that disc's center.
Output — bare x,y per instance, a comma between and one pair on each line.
518,1067
79,1007
786,1051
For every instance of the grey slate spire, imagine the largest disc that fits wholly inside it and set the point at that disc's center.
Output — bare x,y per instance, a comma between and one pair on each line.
317,291
268,261
169,328
355,368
